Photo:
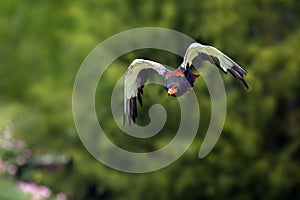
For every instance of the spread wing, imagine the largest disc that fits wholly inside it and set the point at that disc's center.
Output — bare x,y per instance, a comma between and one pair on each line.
135,77
217,58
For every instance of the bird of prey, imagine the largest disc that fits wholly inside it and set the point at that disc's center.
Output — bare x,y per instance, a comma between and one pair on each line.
176,82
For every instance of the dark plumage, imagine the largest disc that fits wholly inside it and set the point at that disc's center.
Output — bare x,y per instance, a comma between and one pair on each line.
177,82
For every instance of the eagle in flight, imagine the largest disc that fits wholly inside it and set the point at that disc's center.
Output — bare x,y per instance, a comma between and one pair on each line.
176,82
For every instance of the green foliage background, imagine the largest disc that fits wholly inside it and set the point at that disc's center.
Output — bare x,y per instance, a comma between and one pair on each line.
43,44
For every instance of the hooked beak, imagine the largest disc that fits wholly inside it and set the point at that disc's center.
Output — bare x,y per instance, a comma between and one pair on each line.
172,91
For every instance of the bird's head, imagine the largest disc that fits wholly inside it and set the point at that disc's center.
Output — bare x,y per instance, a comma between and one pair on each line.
172,91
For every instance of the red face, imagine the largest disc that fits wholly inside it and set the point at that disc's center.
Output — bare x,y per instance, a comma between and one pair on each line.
172,91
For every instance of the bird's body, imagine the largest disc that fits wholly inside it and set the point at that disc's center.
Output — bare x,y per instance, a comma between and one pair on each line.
177,82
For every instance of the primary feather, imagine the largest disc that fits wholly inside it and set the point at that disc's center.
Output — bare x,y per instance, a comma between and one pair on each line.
135,77
217,58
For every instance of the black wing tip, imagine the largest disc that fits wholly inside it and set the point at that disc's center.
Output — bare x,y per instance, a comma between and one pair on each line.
239,70
244,83
130,114
239,73
139,95
132,110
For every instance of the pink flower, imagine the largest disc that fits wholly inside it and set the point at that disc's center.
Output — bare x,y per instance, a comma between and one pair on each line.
21,160
37,192
7,134
61,196
12,169
19,144
27,153
44,191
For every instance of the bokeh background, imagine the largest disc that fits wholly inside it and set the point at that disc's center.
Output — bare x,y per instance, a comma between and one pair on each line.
43,43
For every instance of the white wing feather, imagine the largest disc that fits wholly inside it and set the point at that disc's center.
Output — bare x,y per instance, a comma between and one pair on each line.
131,76
196,48
132,82
217,57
